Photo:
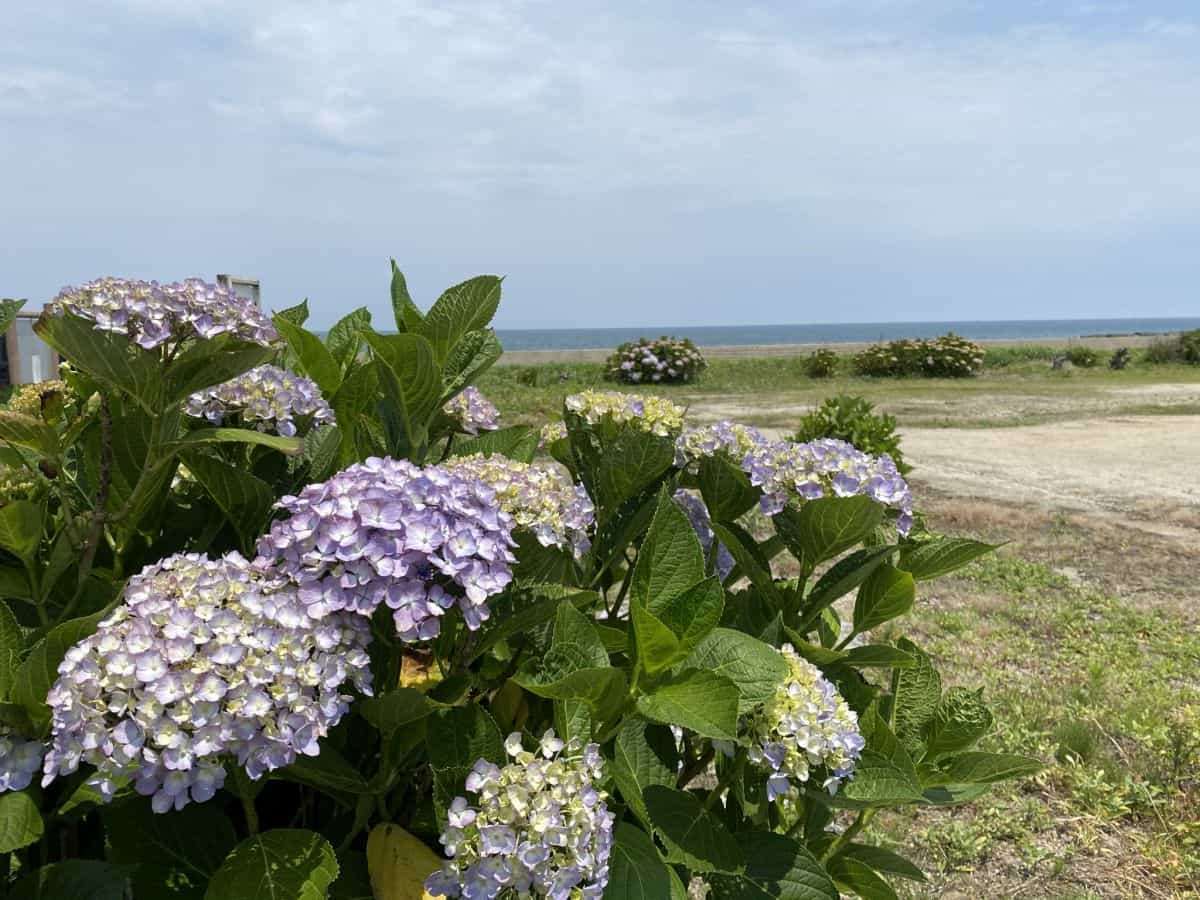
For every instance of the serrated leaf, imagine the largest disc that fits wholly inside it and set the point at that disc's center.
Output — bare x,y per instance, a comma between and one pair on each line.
183,848
841,578
395,709
888,593
208,362
39,671
756,668
245,499
883,860
297,314
878,781
750,559
726,489
465,307
345,337
976,767
636,871
411,386
20,821
777,868
315,359
28,432
8,312
107,357
918,690
960,720
699,701
932,559
518,442
473,355
643,754
12,643
692,834
821,529
670,560
408,316
877,656
288,445
291,863
328,771
21,528
523,607
860,879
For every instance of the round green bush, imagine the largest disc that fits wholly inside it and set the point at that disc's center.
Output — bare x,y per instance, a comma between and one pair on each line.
821,364
854,420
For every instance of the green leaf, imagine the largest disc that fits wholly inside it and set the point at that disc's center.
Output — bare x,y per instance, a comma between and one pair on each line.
644,754
777,868
841,578
473,355
28,432
78,879
395,709
888,593
960,720
954,794
693,835
657,646
345,337
636,871
883,860
670,560
932,559
617,463
20,821
518,442
12,643
976,767
329,771
918,690
21,528
879,781
750,559
756,668
291,863
8,312
701,701
408,317
468,306
201,436
860,879
297,314
523,607
726,489
245,499
181,849
460,736
109,358
208,362
821,529
315,359
412,387
692,614
39,671
354,880
883,656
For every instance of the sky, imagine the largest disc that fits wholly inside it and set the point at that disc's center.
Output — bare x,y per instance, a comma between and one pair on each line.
621,163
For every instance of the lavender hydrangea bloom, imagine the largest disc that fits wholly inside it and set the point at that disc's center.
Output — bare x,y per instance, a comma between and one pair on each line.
653,414
267,397
805,724
419,540
730,439
693,505
539,827
472,411
201,661
152,314
551,433
20,760
540,497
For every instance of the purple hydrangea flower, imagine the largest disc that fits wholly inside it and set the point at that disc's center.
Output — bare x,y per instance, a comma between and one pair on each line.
472,411
267,398
733,440
420,540
152,314
20,760
693,505
804,725
539,827
202,661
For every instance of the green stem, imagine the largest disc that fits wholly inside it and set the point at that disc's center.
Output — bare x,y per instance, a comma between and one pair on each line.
247,798
731,774
859,823
851,636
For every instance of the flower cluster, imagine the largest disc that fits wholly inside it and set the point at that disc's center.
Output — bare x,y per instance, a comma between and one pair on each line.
948,356
19,483
472,411
551,433
539,827
730,439
693,505
827,466
653,414
540,497
20,760
417,539
665,360
152,314
804,725
267,397
30,399
202,660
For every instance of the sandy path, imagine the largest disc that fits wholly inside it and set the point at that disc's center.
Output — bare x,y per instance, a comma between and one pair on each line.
1145,468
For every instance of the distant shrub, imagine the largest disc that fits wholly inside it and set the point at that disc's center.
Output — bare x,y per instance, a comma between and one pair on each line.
1083,357
665,360
821,364
1002,357
854,420
1120,359
1164,350
1189,346
948,356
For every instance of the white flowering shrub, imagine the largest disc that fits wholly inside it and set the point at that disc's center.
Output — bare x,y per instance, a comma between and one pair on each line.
664,360
272,601
948,356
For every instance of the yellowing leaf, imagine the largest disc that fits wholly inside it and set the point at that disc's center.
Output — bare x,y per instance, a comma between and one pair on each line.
399,864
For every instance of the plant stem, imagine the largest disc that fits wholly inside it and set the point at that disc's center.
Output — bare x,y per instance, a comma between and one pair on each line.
96,531
247,799
731,774
860,822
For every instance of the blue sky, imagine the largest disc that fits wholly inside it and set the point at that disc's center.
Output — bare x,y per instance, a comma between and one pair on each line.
623,163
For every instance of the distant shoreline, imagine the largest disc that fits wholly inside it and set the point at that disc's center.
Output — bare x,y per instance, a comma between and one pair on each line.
746,351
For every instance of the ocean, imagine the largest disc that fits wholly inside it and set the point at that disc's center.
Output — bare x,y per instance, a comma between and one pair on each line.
742,335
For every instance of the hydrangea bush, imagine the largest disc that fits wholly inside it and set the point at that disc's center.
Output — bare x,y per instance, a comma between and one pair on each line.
664,360
242,656
948,356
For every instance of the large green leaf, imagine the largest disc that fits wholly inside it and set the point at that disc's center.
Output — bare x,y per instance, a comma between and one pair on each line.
576,665
777,868
961,719
412,387
976,767
821,529
21,528
692,834
395,709
20,821
888,593
473,355
345,337
8,312
860,879
883,860
670,560
518,442
245,499
726,489
288,862
288,445
176,852
28,432
644,754
932,559
523,607
617,462
328,771
208,362
109,358
750,559
77,879
315,359
466,307
39,671
756,668
881,781
841,578
12,643
703,702
918,690
408,317
460,736
636,871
